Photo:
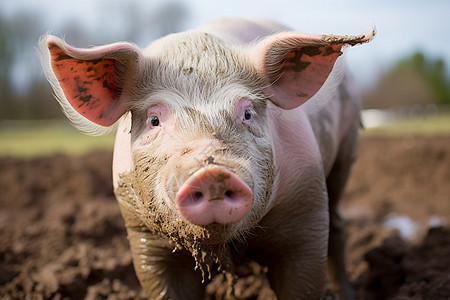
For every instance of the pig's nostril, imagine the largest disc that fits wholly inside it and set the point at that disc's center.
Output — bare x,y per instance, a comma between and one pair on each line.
230,194
196,196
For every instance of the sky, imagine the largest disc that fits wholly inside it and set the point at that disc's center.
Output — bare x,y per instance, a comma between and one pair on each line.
403,26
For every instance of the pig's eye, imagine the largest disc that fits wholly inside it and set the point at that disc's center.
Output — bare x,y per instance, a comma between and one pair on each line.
247,114
154,121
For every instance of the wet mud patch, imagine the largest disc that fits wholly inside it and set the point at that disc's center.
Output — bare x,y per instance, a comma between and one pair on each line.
398,270
62,235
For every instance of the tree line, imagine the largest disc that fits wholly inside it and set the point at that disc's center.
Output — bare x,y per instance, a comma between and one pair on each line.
25,93
415,79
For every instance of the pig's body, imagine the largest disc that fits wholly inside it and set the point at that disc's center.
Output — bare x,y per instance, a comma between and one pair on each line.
285,179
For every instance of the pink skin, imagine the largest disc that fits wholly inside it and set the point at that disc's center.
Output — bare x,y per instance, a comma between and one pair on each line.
214,195
294,88
122,161
78,79
241,107
165,120
89,84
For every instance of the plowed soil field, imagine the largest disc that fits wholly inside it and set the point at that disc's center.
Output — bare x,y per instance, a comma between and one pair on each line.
62,236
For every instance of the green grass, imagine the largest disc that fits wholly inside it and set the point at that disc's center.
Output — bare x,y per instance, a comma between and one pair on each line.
44,138
29,139
430,125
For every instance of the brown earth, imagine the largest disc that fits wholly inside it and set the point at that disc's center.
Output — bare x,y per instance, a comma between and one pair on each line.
62,237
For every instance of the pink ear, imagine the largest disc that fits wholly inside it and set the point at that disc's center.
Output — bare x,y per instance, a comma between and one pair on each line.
94,81
296,65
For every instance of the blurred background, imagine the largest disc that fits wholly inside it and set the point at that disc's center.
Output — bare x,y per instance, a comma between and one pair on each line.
404,71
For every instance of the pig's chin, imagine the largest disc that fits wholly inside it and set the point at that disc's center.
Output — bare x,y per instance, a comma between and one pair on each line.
195,237
217,234
206,236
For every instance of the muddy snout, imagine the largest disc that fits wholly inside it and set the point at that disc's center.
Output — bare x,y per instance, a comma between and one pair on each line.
214,195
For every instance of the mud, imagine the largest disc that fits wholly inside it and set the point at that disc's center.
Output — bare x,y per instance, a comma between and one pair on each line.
62,235
180,233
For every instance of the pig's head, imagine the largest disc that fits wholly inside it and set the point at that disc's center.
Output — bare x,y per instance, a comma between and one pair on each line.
202,163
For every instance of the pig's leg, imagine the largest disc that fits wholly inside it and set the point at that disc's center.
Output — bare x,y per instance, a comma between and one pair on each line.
296,244
336,244
297,269
162,274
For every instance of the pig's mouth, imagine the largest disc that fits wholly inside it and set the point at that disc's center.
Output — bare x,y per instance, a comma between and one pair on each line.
208,242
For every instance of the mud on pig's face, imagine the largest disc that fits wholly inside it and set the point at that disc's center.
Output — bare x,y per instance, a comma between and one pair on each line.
203,163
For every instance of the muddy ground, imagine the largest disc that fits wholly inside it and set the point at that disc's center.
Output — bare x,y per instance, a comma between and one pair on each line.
62,237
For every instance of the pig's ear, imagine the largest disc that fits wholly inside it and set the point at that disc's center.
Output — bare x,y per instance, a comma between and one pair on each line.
92,85
296,65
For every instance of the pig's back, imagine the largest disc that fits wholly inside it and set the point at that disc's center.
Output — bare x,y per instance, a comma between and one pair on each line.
338,122
242,31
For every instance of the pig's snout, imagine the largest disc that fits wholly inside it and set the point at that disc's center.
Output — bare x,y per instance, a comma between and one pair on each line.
214,195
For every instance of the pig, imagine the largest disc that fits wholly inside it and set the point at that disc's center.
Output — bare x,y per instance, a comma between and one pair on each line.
233,142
